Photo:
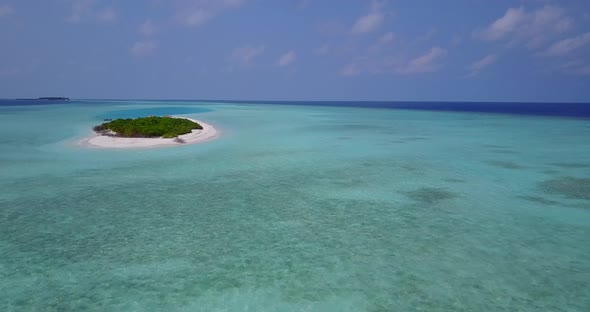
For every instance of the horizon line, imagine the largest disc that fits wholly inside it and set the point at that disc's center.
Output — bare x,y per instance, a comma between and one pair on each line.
299,101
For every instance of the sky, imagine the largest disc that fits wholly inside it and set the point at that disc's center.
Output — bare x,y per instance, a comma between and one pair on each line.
381,50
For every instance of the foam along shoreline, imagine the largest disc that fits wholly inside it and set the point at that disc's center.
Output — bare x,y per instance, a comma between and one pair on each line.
196,136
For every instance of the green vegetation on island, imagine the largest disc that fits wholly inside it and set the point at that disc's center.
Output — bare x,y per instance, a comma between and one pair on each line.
147,127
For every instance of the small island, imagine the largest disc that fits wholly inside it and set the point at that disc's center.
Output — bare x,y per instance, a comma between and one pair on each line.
148,127
151,131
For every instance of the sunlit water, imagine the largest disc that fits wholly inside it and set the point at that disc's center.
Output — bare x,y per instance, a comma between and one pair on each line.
296,208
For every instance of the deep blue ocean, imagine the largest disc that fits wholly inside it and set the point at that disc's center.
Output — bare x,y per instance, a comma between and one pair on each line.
576,110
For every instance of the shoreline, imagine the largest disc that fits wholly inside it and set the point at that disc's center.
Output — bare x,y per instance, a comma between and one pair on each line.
208,133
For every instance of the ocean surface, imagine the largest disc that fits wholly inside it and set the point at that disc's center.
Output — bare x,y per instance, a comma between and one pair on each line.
296,207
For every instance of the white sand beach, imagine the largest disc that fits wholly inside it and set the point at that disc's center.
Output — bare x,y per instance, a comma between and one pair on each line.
196,136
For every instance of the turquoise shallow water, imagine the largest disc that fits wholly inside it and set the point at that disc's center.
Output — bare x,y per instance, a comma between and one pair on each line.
296,208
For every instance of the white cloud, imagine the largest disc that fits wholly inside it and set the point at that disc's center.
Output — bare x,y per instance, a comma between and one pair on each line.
576,67
531,28
287,58
199,12
583,70
456,40
79,8
233,3
196,17
482,63
504,25
368,23
426,63
6,10
566,46
387,38
107,15
546,22
245,55
381,43
86,10
144,48
148,28
384,58
350,70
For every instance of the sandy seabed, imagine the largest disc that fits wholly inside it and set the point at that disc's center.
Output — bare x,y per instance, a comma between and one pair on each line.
196,136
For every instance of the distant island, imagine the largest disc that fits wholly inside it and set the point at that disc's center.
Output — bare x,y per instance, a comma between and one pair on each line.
45,98
54,98
148,127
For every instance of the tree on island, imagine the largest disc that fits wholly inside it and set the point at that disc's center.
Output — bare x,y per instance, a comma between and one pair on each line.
147,127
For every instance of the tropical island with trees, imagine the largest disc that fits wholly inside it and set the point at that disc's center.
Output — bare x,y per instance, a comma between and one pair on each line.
148,127
151,131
